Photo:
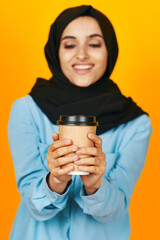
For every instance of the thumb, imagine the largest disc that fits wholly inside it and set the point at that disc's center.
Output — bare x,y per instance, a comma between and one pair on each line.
55,136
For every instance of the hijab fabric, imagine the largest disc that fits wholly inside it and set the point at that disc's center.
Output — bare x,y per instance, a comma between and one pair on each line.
103,99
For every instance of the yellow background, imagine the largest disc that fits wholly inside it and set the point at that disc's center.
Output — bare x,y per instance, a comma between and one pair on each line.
24,32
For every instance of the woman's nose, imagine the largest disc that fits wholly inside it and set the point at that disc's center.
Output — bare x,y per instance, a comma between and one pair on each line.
82,53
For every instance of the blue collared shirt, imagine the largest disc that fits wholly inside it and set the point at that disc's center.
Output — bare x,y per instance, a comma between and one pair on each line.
46,215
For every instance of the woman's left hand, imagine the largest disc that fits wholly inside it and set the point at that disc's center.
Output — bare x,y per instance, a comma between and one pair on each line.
95,165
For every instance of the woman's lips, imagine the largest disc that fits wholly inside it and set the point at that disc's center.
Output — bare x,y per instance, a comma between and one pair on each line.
82,68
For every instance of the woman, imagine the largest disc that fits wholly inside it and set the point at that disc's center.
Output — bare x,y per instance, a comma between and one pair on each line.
81,53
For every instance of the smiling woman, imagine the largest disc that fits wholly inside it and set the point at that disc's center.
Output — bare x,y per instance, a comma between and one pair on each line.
81,52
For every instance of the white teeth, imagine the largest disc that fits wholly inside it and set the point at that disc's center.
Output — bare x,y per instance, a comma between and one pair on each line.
82,66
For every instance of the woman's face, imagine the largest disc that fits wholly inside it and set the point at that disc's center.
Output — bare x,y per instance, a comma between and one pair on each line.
82,52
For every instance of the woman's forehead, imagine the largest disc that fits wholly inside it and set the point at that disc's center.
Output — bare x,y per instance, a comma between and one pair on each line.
82,25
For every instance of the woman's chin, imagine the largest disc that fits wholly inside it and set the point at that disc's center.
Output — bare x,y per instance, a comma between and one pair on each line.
82,83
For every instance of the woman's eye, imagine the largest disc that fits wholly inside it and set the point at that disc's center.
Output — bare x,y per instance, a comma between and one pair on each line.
95,45
73,45
69,46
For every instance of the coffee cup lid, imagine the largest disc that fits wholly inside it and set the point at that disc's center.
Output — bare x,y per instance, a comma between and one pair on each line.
78,120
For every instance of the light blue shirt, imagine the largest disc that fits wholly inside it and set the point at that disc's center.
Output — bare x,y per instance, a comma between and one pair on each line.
46,215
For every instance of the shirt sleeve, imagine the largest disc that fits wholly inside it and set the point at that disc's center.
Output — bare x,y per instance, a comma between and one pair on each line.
112,199
40,202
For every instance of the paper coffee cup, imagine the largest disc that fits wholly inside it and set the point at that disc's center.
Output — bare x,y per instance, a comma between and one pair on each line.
76,128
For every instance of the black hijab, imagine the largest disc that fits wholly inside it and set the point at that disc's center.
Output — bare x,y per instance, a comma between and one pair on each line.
103,99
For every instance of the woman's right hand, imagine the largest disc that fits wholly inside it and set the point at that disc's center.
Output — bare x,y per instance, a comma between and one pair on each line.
57,158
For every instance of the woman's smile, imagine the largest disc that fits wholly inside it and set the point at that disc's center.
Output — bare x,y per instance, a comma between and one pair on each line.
82,68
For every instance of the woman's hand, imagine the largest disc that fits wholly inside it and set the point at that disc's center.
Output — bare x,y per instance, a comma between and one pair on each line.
57,159
95,165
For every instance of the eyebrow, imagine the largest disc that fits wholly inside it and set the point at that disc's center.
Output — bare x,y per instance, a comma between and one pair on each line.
90,36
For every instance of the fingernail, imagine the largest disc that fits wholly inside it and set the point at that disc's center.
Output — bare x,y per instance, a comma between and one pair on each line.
70,167
67,141
77,162
91,135
74,147
79,151
75,157
54,134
